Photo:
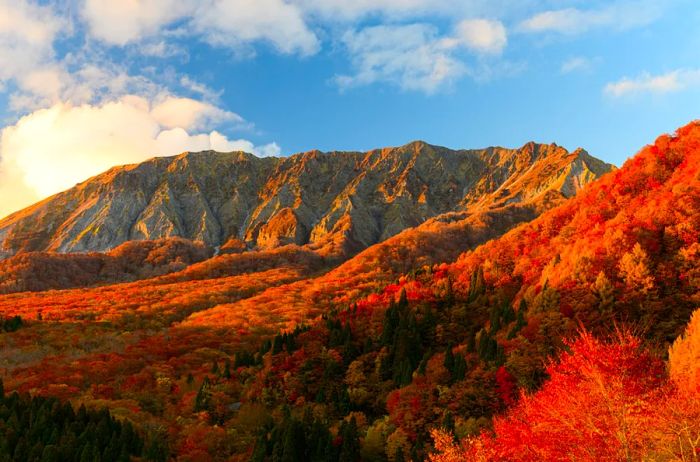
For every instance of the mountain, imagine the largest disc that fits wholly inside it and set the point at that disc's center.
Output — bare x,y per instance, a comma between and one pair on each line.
336,203
546,343
269,351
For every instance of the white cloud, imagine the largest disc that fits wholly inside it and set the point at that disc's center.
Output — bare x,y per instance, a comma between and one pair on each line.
40,78
415,56
124,21
235,23
411,56
577,64
178,140
27,33
345,10
160,49
394,11
229,23
571,21
677,80
482,35
86,114
188,113
52,149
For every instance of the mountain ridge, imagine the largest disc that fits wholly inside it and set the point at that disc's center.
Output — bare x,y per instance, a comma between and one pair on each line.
337,202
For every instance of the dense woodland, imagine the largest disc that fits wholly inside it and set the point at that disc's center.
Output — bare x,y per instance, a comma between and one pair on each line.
38,271
37,429
568,338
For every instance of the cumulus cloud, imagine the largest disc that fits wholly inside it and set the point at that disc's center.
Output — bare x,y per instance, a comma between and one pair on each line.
571,21
52,149
676,80
416,56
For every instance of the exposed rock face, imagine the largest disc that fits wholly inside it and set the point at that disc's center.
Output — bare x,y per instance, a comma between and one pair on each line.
336,202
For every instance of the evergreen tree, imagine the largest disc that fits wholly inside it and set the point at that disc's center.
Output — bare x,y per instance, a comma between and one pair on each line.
403,300
261,449
519,320
202,399
449,294
507,313
477,287
88,453
294,446
460,368
390,324
495,319
448,422
350,447
471,342
12,324
277,344
50,454
265,347
290,344
157,448
449,361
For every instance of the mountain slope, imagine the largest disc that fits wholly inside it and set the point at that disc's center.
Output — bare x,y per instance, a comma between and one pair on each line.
455,345
194,352
39,271
338,202
635,231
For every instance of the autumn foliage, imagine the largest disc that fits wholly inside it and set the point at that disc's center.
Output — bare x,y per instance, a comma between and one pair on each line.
605,400
684,358
39,271
548,343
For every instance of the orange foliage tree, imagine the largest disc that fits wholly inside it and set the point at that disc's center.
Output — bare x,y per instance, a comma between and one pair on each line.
604,401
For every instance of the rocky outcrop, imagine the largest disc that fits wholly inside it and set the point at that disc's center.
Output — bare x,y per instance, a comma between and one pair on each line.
336,202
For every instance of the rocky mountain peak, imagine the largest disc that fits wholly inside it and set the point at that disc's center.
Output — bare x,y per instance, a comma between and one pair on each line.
337,202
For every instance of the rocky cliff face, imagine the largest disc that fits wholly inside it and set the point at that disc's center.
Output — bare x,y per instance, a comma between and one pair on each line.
337,202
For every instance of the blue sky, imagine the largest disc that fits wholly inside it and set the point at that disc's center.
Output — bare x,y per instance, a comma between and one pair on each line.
88,84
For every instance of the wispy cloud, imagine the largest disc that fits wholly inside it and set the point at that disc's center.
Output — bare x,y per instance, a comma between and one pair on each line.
410,56
676,80
578,64
352,10
571,21
416,56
